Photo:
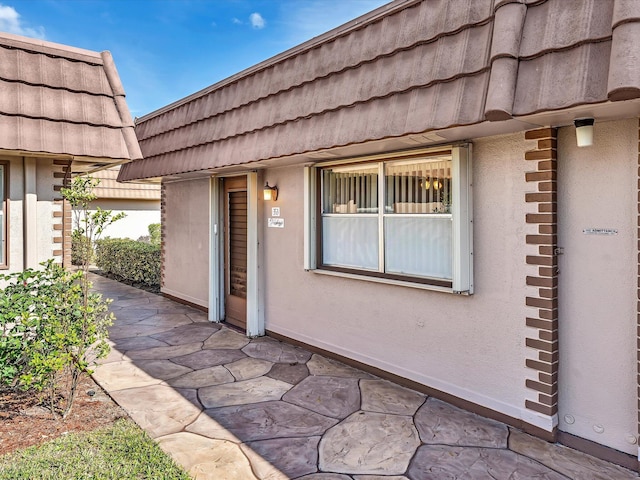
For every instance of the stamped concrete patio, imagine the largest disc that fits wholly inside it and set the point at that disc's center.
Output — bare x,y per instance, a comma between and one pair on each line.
227,407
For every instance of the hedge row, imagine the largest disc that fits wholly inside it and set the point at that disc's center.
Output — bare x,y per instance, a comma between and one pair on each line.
136,262
80,248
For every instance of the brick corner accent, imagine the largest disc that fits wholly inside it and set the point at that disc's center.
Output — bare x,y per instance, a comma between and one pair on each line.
163,222
62,219
542,281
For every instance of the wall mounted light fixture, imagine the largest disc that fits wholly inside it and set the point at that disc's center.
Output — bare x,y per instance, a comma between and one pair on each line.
584,131
270,193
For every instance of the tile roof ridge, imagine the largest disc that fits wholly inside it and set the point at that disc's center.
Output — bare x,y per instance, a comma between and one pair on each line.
38,46
128,133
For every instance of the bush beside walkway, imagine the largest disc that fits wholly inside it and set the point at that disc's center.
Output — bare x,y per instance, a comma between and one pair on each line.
128,260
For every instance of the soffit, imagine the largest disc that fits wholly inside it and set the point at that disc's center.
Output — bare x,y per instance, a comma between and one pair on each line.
110,188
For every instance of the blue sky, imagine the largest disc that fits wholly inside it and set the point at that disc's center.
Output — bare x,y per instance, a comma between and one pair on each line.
167,49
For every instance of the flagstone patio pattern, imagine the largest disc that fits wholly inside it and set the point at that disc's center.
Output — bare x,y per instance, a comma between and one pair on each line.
227,407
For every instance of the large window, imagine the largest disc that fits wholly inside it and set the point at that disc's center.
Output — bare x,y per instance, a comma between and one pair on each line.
402,217
3,215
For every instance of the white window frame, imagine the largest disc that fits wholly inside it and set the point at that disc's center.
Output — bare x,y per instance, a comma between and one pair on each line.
461,215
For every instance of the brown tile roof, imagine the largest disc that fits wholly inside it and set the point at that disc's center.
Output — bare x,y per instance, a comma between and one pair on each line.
408,67
56,99
111,189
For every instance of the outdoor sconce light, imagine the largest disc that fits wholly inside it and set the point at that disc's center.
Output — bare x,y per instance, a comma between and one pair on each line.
270,193
584,131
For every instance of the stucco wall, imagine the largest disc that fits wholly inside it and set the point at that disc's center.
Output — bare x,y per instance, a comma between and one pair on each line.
45,205
16,206
139,215
186,261
597,188
471,347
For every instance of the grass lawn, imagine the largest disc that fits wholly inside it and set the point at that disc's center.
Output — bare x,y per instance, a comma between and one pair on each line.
121,451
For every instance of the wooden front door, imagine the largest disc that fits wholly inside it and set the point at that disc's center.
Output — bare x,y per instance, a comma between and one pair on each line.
235,251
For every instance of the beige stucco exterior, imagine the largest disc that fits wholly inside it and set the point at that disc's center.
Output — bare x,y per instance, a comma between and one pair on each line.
438,339
186,241
597,188
472,347
445,341
139,214
31,217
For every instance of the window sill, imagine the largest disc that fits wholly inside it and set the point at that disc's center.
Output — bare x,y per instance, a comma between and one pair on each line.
387,281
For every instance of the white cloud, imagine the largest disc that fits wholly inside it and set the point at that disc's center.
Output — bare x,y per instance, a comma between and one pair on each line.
257,21
236,21
10,22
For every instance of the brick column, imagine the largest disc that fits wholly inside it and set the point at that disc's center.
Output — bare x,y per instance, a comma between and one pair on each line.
542,281
163,222
68,230
62,219
58,221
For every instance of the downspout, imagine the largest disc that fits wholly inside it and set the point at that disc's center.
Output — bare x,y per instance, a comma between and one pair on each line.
29,215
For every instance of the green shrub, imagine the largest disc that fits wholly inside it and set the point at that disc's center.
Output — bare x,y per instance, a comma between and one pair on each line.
80,248
49,324
132,261
154,233
29,306
89,226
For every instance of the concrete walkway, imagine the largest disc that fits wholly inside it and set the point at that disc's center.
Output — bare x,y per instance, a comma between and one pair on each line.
226,407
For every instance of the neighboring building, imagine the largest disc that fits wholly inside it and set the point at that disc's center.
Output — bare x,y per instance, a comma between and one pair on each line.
140,202
62,112
435,219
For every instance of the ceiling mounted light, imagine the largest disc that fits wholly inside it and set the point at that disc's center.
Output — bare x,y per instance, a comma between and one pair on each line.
584,131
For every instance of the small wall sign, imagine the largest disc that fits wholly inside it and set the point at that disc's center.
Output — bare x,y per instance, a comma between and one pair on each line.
600,231
276,223
275,211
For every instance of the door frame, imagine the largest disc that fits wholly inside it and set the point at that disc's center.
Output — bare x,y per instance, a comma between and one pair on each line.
255,283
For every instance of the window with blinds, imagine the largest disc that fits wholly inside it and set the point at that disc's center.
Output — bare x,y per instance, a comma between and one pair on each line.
397,217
